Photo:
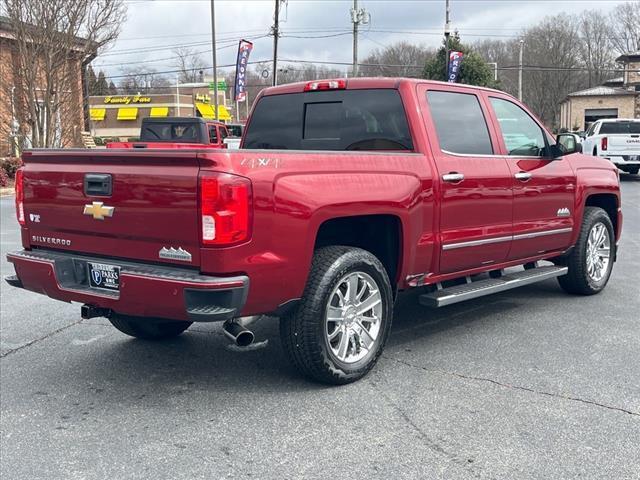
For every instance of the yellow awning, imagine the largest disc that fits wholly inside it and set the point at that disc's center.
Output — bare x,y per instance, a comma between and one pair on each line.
97,114
208,112
159,112
130,113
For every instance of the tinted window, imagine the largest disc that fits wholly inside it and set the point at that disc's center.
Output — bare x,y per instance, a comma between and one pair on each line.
613,128
330,120
521,134
460,124
234,130
213,135
168,132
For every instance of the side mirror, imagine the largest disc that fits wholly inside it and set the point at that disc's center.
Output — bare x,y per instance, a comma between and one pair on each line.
567,143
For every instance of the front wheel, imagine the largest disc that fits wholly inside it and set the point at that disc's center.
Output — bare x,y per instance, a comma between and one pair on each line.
342,323
148,328
591,261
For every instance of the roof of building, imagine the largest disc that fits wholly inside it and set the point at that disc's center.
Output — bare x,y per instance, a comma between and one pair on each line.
614,81
600,91
626,57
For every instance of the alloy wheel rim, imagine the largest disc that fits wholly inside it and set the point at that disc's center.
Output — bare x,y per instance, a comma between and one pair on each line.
353,317
598,252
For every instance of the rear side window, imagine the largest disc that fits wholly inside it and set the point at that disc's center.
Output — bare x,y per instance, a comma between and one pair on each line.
330,120
460,123
613,128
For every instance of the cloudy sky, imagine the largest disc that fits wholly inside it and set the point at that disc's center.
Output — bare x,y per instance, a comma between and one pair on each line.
317,30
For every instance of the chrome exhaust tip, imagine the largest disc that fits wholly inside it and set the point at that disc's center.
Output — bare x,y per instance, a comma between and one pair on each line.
236,330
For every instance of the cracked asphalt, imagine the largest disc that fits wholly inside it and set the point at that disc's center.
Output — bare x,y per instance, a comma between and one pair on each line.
527,384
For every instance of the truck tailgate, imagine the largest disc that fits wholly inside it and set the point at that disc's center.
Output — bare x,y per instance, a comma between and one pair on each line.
624,144
150,212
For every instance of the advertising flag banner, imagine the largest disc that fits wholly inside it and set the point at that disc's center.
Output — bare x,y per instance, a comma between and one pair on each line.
455,61
240,90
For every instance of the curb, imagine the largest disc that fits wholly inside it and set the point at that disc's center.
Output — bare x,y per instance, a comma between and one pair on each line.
6,192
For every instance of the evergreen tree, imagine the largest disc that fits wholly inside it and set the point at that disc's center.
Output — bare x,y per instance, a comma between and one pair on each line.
91,80
102,87
473,70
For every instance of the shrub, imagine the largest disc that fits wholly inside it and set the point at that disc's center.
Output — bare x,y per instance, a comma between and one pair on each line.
9,166
4,179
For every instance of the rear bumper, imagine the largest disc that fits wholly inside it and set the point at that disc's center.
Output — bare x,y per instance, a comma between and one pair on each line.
145,290
621,160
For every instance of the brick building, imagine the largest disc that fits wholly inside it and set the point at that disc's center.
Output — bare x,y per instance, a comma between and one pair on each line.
616,98
15,121
120,116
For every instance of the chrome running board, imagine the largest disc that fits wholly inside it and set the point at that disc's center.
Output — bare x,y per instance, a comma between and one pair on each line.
480,288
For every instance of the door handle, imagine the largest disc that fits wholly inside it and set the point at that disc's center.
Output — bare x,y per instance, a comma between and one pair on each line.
453,177
523,176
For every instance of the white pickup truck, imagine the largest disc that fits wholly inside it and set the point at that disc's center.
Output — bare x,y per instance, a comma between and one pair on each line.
617,140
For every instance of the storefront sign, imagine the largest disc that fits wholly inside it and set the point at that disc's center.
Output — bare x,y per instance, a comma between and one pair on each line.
222,85
240,90
127,100
203,98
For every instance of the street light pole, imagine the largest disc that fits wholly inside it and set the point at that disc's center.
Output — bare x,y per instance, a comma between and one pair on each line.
215,61
355,21
520,71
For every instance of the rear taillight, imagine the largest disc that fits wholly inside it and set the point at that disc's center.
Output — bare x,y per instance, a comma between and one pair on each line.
20,196
604,143
325,85
225,209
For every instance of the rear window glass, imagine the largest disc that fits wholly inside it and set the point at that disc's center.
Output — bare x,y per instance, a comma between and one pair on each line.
235,130
460,123
330,120
169,132
612,128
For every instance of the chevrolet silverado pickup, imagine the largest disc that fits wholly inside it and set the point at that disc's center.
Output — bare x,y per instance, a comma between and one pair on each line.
178,132
344,193
617,140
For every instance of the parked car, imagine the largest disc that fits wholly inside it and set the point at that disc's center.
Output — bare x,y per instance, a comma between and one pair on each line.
345,193
178,132
617,140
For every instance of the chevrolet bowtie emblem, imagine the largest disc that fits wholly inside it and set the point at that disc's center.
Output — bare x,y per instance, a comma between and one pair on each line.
98,211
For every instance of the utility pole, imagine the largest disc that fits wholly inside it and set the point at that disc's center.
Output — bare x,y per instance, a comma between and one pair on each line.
358,16
447,33
520,71
276,34
215,61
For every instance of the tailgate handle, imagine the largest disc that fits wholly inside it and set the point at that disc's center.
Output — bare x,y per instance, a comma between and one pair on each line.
97,184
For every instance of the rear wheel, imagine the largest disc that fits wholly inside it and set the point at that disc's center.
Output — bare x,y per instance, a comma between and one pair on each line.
148,328
591,261
340,327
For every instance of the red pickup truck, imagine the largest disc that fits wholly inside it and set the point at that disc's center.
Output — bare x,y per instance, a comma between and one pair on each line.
345,192
178,132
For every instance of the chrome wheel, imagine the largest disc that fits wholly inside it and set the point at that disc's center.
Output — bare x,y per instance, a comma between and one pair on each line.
598,252
353,317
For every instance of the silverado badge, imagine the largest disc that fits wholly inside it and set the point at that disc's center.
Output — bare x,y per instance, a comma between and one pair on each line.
174,254
563,212
98,210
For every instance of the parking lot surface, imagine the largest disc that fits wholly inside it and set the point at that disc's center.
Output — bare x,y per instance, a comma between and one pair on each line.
531,383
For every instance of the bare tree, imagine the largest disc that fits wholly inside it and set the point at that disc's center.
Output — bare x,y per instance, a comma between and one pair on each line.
625,27
401,59
190,63
595,47
54,40
143,80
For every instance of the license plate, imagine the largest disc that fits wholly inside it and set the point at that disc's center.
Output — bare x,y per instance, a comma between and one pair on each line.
103,276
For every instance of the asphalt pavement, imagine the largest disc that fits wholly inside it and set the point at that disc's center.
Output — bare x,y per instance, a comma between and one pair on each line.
527,384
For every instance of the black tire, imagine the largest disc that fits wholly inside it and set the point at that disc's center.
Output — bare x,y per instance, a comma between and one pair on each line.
302,331
578,281
148,328
595,152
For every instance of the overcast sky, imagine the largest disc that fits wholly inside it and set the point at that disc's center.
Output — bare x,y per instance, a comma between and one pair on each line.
154,27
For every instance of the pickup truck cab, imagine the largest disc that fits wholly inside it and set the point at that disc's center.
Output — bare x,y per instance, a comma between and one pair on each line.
617,140
178,132
345,193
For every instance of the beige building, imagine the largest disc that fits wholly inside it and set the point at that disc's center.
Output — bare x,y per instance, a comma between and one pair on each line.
120,116
616,98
